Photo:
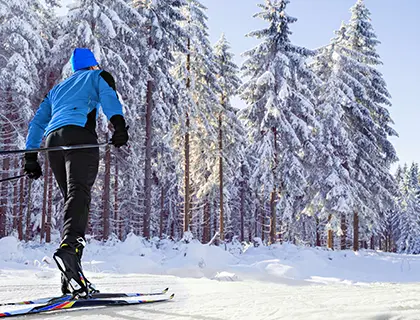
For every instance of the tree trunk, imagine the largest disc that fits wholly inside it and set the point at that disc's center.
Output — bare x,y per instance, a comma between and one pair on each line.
106,194
318,234
389,243
273,216
137,218
262,222
162,211
15,198
4,197
222,215
28,213
148,161
356,231
44,199
257,214
21,209
242,210
6,134
187,151
117,218
273,227
364,244
344,235
372,243
49,211
207,218
214,217
280,234
330,240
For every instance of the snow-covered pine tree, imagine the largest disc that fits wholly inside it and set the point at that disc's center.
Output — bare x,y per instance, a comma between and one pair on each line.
49,74
392,231
368,121
407,218
22,57
196,71
280,114
163,35
231,131
106,27
334,193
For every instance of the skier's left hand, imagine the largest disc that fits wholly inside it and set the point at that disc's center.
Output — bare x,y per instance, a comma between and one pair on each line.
120,136
32,168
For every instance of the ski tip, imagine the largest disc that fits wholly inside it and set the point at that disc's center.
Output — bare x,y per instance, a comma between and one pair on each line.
172,296
166,290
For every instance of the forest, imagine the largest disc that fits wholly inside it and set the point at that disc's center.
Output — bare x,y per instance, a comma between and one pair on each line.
307,161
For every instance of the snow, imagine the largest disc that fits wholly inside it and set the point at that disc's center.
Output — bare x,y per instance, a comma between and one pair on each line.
276,282
226,276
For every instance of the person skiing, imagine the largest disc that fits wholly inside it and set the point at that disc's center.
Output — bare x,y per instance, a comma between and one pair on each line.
67,116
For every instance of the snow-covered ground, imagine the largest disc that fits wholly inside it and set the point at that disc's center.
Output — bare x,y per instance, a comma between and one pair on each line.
278,282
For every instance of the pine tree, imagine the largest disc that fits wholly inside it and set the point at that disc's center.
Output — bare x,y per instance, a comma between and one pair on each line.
336,192
408,223
355,131
196,71
229,127
368,121
164,35
22,57
280,113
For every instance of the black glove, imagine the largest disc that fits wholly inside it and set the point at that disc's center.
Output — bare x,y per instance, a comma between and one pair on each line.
120,136
32,167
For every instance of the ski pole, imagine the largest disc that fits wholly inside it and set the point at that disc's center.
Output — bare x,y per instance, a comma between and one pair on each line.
58,148
12,178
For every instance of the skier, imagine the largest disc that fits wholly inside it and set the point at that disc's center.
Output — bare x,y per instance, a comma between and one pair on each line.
67,116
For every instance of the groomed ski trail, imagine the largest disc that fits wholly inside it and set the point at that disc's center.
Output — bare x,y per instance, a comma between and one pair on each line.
204,299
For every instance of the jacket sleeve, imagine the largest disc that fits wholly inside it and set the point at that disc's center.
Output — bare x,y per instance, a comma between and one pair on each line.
108,98
38,124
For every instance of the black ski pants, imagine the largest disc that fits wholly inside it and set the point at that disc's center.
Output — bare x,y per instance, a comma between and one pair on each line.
75,172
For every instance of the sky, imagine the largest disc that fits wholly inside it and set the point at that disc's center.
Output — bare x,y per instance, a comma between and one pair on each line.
396,25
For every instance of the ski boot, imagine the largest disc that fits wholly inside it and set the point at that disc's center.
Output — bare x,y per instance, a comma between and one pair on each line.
68,259
65,286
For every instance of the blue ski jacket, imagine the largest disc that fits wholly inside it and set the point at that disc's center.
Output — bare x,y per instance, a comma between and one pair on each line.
72,101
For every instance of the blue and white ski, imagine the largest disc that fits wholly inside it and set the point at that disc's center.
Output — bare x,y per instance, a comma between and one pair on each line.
81,303
68,297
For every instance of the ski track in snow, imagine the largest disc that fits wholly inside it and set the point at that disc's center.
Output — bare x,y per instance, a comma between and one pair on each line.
204,299
277,282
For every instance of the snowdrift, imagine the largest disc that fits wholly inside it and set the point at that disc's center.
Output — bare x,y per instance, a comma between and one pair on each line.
284,263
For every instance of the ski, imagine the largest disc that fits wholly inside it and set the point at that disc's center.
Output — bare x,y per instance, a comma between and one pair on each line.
68,297
81,303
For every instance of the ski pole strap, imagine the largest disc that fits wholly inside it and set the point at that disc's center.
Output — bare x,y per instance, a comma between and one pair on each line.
58,148
13,178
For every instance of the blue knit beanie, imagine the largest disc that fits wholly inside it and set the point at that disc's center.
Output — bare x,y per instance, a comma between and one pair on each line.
82,58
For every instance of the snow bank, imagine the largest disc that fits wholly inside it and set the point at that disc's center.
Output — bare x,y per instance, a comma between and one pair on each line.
225,276
277,263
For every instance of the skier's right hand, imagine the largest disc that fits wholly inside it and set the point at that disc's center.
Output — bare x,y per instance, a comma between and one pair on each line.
32,168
